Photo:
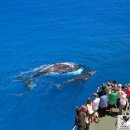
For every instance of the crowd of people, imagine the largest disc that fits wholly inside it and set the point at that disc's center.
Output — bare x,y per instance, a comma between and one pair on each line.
108,96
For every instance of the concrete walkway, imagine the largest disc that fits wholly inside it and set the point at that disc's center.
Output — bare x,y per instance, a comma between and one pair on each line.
107,122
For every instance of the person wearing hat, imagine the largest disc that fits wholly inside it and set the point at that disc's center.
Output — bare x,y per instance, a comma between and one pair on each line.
123,102
120,89
95,105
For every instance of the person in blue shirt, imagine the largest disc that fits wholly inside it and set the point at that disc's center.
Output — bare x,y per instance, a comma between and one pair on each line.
103,104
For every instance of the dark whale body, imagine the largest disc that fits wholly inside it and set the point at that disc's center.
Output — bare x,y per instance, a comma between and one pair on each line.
58,68
83,76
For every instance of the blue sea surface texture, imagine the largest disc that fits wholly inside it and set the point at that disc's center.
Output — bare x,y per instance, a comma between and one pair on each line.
35,33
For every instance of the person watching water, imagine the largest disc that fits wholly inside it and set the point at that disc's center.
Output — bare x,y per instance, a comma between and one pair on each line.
95,104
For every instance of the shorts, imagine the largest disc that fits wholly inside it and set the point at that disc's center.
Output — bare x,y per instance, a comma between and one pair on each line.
112,105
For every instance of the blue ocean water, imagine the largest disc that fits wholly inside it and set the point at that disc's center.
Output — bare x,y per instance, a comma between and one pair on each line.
93,33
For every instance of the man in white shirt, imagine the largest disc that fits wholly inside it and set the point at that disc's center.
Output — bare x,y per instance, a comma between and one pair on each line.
95,105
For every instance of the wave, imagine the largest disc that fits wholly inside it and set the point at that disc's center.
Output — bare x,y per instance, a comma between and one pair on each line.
33,70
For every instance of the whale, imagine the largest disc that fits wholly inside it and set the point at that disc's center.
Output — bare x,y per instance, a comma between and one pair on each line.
83,76
59,68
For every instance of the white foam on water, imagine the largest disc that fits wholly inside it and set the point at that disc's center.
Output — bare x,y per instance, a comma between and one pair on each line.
79,71
38,68
59,86
34,69
31,86
48,66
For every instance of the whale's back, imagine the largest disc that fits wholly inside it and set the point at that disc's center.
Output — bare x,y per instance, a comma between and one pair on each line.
61,68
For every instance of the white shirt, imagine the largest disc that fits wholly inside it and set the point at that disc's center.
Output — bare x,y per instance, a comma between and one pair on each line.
90,110
123,100
96,104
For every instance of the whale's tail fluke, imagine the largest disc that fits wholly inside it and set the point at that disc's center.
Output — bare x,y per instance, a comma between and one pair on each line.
92,72
27,82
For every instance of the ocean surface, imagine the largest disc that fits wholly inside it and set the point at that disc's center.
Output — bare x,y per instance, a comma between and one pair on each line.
35,33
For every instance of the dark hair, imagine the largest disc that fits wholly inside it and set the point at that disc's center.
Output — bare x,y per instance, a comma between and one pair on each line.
103,87
115,82
123,86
